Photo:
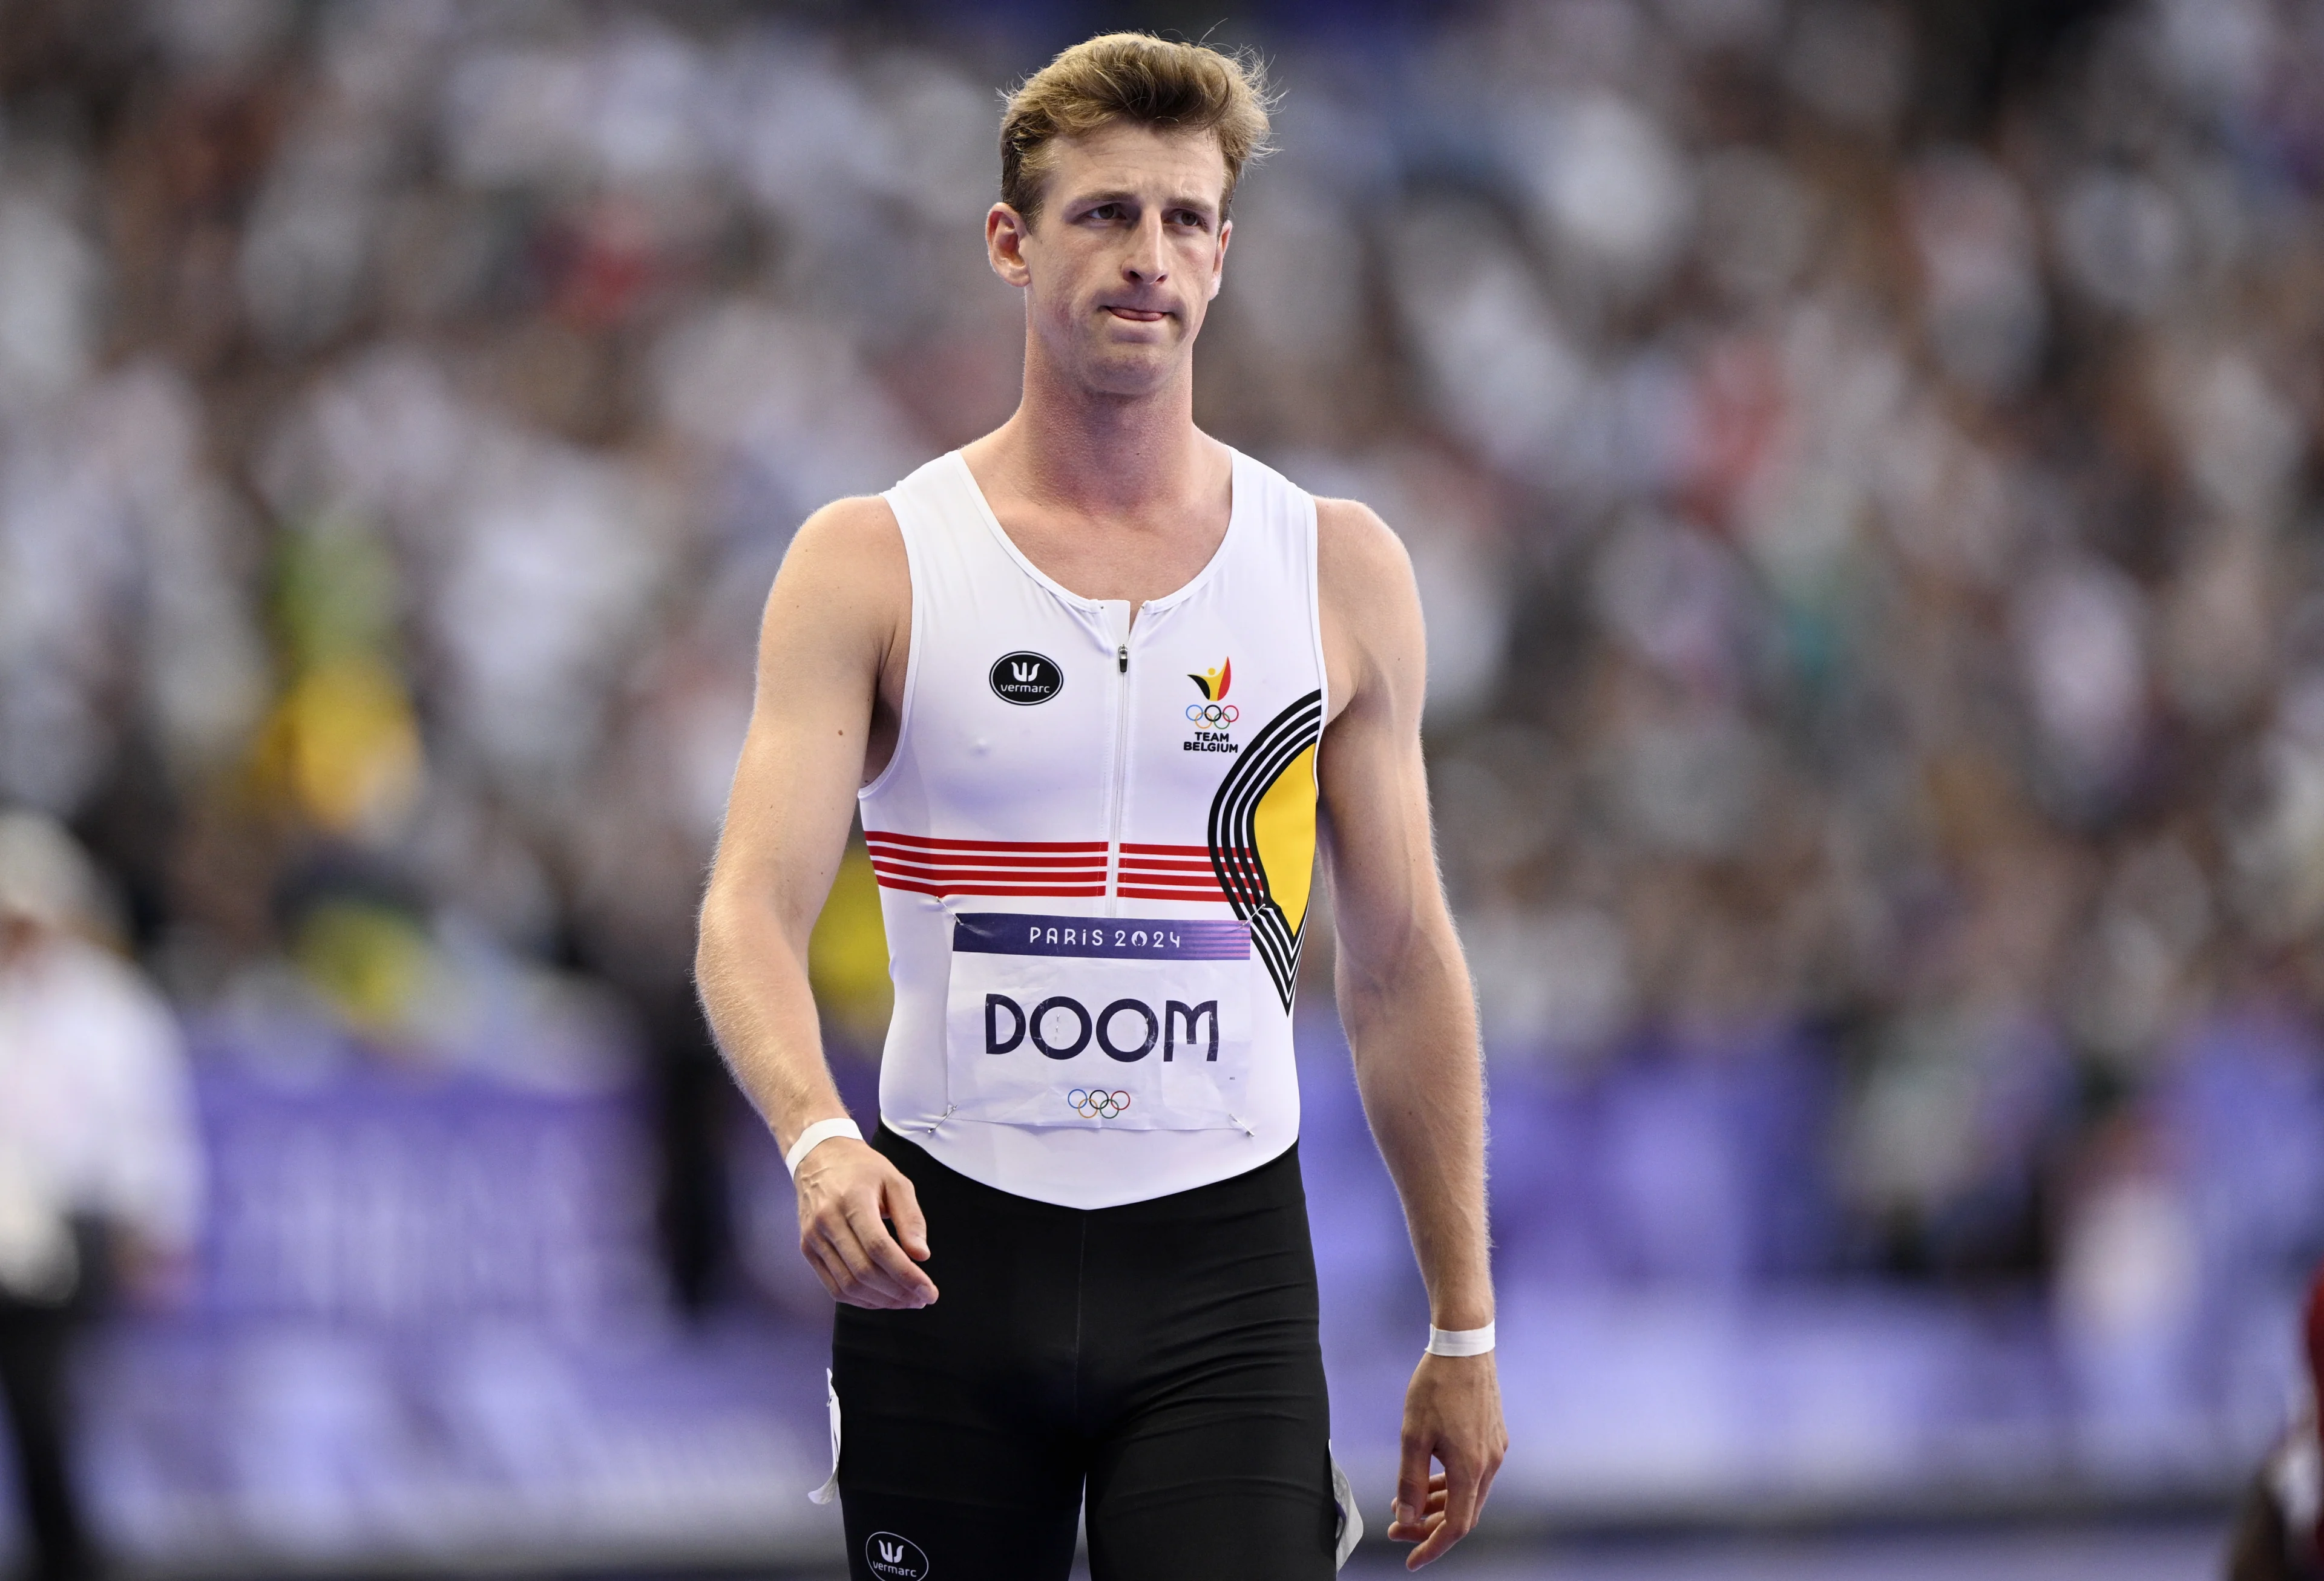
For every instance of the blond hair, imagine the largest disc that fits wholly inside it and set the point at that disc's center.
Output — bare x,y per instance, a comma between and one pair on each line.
1144,81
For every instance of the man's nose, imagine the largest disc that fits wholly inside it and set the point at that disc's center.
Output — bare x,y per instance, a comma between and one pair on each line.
1148,263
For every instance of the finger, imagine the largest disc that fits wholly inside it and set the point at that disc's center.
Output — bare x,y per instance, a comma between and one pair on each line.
1463,1480
912,1223
1423,1519
810,1250
1422,1523
1414,1523
1411,1482
1459,1519
872,1232
855,1292
837,1276
863,1275
1430,1549
1431,1545
823,1256
1428,1514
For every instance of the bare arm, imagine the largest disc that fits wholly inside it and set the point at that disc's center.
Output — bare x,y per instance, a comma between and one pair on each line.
1405,1000
836,622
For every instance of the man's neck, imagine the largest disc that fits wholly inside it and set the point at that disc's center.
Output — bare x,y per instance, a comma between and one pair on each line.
1091,454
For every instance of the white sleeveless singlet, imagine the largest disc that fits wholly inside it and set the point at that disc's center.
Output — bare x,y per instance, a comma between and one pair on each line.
1095,844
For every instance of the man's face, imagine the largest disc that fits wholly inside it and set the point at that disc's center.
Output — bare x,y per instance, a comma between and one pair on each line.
1125,256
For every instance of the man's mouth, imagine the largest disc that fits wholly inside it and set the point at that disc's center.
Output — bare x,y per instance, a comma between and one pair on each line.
1138,314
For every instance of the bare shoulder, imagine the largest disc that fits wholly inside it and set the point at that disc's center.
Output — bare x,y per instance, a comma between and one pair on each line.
860,532
844,581
1373,642
852,550
1356,551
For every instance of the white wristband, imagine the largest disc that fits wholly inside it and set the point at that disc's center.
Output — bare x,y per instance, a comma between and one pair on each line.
1460,1341
821,1131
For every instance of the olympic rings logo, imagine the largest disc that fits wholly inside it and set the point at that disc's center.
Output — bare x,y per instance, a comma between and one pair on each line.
1212,712
1096,1105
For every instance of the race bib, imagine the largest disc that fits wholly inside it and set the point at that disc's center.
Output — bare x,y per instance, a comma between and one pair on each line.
1137,1024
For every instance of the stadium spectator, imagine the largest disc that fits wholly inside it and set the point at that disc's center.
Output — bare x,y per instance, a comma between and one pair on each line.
99,1173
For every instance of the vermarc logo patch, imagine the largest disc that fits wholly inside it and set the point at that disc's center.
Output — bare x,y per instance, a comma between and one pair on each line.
1027,678
898,1558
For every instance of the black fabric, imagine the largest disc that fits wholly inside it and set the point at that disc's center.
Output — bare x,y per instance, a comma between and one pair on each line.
35,1348
1162,1353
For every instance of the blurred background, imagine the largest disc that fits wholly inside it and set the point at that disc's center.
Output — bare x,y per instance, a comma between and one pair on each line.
1861,462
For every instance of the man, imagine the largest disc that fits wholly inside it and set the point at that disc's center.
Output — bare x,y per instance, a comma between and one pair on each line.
1090,679
99,1168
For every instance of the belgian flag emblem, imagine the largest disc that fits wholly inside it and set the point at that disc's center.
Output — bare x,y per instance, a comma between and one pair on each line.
1263,835
1214,683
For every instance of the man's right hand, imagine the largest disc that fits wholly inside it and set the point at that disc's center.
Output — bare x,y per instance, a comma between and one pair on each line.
846,1191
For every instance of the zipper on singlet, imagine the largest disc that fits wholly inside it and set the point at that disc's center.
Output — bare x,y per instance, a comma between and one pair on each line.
1120,777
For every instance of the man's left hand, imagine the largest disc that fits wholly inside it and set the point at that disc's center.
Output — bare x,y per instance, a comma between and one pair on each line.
1452,1416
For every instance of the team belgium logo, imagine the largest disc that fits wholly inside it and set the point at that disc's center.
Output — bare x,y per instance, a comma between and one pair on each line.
1262,833
1214,714
1213,709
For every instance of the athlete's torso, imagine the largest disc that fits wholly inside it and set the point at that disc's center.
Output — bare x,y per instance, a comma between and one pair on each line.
1147,791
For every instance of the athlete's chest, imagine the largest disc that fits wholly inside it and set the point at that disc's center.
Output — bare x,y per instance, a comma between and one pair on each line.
1136,560
1064,756
1121,567
1035,705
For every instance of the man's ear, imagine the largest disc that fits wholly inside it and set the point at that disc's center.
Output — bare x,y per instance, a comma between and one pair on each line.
1219,263
1005,233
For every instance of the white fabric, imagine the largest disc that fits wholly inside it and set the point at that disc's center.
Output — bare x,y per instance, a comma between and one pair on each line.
1460,1341
822,1131
2295,1474
1350,1530
96,1110
38,1259
1136,789
830,1488
1132,995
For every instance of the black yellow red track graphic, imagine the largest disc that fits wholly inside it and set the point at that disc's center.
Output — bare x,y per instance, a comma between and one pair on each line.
1262,834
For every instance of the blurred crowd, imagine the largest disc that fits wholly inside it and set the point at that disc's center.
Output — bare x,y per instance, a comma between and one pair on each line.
1861,461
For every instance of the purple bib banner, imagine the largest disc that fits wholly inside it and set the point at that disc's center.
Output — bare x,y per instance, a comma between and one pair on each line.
1003,933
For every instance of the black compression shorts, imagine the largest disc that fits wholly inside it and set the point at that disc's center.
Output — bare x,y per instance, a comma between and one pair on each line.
1162,1353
